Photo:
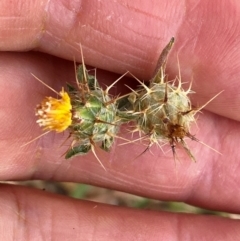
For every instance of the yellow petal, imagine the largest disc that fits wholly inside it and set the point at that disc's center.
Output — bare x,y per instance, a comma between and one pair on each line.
55,114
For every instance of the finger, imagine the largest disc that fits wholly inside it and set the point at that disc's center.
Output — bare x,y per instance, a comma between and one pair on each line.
210,183
128,36
60,27
39,215
208,54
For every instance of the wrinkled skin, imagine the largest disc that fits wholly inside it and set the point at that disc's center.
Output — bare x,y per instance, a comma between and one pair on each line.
118,36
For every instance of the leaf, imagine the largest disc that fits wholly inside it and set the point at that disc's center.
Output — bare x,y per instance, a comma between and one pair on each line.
78,150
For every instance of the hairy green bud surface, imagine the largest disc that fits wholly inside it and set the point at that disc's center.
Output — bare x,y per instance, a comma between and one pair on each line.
161,111
93,115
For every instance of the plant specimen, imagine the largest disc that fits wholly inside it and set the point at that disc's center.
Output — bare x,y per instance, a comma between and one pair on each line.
160,111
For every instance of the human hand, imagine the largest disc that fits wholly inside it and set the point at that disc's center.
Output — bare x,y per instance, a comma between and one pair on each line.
119,36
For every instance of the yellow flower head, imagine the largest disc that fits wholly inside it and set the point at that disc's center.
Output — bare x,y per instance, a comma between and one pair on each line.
55,114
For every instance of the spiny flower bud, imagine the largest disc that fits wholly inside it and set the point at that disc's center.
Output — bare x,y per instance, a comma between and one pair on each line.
94,117
161,111
88,112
